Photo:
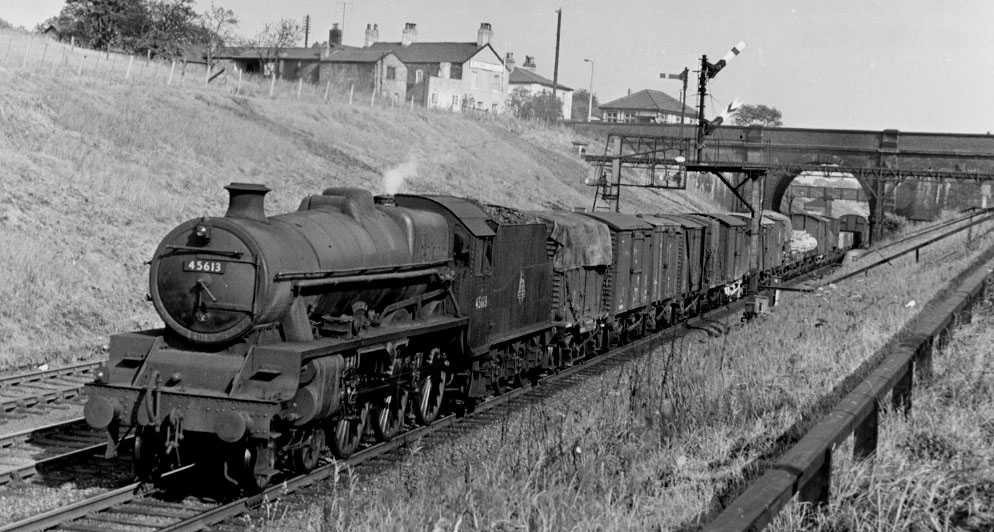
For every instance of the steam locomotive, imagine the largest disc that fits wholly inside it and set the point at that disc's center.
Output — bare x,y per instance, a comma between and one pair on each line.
291,335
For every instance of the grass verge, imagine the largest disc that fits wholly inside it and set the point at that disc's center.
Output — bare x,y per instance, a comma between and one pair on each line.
934,469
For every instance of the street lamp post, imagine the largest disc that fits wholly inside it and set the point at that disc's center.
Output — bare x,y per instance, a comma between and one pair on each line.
590,90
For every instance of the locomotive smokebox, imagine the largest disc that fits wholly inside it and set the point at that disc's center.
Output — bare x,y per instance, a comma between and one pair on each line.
246,200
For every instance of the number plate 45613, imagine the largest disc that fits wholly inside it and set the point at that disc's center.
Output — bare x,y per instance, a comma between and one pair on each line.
204,266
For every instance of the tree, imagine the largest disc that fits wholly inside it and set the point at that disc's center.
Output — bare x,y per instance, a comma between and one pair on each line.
105,23
217,26
276,37
580,100
762,115
172,26
542,105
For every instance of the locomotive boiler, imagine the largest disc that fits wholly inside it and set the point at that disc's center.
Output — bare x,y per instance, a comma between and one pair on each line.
282,333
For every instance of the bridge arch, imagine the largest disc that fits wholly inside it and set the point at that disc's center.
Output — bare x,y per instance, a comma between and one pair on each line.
778,183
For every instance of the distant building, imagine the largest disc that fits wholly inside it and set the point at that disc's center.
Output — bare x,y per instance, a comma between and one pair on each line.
345,67
647,106
449,75
525,77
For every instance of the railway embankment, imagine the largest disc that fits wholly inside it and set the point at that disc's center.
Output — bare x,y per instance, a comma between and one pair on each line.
102,154
660,443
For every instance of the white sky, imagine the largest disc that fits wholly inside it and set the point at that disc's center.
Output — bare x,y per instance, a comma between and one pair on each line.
914,65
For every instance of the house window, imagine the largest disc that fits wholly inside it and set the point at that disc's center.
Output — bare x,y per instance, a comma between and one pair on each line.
493,108
419,76
455,72
455,101
497,80
434,99
391,72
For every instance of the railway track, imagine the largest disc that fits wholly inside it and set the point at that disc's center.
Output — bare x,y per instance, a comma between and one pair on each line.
23,453
32,393
132,506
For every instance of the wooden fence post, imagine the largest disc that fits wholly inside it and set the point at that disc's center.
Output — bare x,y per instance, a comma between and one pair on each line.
412,103
238,88
172,70
79,69
351,92
27,49
272,84
300,86
327,88
207,74
44,53
372,98
131,61
864,442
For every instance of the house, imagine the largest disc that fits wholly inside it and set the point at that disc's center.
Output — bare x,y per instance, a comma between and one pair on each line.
366,71
647,106
525,78
448,75
345,67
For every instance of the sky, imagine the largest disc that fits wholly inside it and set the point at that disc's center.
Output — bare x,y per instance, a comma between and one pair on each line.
913,65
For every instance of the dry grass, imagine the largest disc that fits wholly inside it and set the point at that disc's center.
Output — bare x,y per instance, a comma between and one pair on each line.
97,168
656,444
933,470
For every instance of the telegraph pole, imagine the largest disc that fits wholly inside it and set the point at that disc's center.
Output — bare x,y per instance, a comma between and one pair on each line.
307,29
555,68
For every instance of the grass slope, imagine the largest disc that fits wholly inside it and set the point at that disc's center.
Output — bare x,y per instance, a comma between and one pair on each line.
96,169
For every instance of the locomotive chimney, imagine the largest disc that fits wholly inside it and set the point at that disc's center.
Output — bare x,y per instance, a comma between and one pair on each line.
245,200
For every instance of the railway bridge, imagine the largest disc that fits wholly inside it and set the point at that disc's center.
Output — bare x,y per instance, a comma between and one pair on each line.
743,157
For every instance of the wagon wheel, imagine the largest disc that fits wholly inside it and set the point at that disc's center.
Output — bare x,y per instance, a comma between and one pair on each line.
346,433
308,454
431,394
147,454
388,417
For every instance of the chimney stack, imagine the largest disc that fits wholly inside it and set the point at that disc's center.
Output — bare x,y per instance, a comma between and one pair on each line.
372,35
245,200
529,63
484,34
334,36
509,61
410,34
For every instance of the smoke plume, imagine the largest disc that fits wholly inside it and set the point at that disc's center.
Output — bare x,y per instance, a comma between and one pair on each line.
394,178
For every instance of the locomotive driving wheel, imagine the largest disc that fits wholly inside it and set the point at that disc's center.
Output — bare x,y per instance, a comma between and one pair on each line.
431,389
388,417
346,433
431,394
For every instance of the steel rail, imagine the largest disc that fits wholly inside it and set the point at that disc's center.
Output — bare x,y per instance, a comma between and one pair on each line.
27,450
33,389
130,496
103,501
930,229
546,384
914,248
805,469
